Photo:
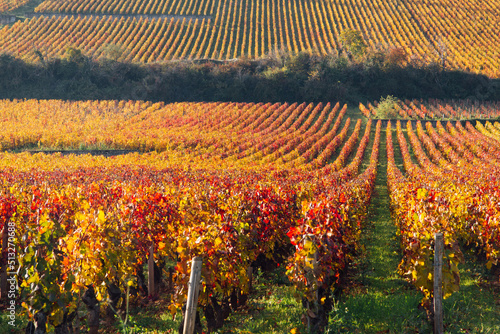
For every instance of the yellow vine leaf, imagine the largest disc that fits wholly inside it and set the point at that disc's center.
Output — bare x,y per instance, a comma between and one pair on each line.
217,242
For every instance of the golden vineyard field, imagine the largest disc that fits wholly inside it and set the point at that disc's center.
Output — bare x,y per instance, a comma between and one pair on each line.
7,5
465,33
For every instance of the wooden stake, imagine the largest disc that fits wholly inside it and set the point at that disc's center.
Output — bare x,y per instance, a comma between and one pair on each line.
192,298
151,271
438,293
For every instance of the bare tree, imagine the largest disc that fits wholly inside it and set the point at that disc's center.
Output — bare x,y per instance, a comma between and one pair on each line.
441,48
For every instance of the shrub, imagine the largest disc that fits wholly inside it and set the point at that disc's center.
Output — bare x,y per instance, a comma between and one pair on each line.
386,108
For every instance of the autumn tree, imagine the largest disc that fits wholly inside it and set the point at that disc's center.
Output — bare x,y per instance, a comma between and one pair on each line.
353,43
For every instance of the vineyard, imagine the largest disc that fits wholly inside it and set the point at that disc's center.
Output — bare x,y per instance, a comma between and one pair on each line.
170,7
8,5
242,185
444,192
160,171
434,109
424,31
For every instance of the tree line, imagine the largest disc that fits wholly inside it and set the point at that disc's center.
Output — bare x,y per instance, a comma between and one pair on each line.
278,77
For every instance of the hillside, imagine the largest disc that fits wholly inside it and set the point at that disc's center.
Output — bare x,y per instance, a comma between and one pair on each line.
459,34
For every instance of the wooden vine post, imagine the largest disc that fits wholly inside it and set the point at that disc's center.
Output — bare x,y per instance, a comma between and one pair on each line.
438,292
192,298
151,271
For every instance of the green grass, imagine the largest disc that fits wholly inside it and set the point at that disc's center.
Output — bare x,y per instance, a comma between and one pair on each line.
6,328
272,308
476,307
378,299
